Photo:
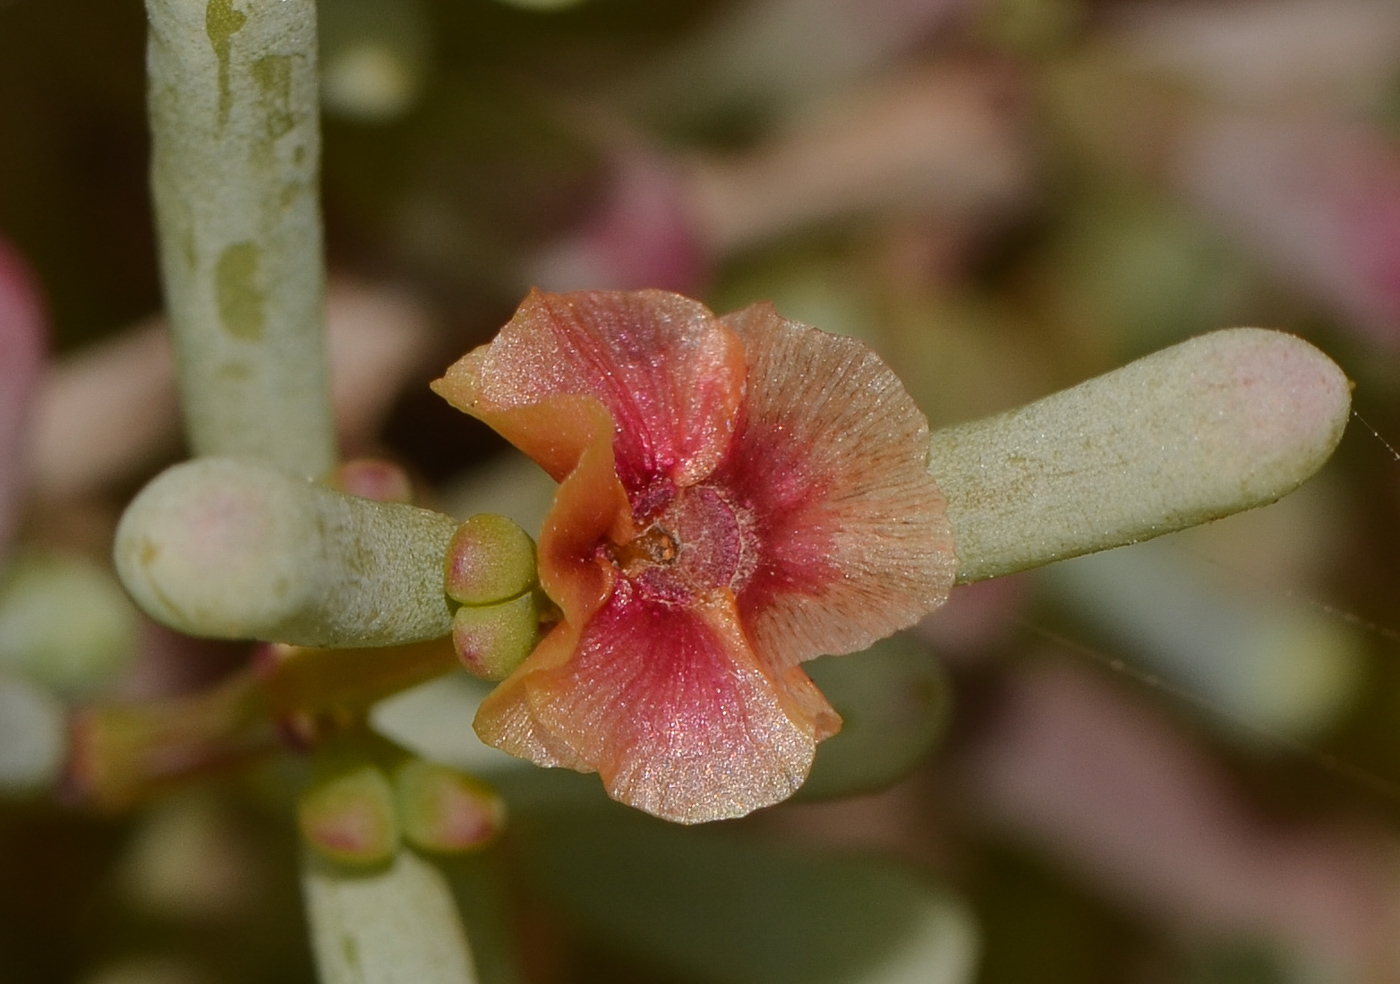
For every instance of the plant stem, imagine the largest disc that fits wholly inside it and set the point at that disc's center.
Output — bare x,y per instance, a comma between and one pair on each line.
235,159
348,681
124,754
1218,424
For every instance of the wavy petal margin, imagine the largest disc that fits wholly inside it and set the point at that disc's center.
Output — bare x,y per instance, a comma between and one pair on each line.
674,710
662,365
832,456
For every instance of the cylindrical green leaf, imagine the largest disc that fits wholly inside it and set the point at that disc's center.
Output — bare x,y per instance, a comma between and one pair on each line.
894,702
235,155
1220,423
398,925
710,907
1260,661
237,549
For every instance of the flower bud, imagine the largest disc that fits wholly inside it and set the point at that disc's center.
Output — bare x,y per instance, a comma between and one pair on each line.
489,559
349,816
493,640
443,810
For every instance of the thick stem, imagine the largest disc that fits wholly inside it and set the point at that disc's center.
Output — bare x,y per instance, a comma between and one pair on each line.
1218,424
347,681
126,753
236,549
235,157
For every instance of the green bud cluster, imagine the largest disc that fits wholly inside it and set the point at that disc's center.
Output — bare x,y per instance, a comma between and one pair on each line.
490,573
359,808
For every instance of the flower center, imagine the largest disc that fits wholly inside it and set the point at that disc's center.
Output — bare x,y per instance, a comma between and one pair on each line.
700,541
654,547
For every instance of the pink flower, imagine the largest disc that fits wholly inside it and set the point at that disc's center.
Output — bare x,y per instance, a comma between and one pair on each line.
737,495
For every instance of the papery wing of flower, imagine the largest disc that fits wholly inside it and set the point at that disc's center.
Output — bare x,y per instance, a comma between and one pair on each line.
737,495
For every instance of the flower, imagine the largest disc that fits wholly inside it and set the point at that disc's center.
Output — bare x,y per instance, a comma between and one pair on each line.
738,495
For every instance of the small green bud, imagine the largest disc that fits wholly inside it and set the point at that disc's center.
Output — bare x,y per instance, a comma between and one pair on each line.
444,810
489,559
375,58
349,816
493,640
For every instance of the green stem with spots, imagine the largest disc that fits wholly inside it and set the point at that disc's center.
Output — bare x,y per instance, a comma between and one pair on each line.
235,161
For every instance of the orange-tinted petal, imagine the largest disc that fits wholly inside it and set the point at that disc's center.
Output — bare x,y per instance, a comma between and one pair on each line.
589,508
670,705
832,457
670,375
505,719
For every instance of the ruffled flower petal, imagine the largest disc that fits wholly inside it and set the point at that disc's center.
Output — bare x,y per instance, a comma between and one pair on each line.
670,705
668,372
832,457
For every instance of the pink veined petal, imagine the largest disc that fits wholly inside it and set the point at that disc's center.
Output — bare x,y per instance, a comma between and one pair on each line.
832,457
22,335
674,710
690,702
662,365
